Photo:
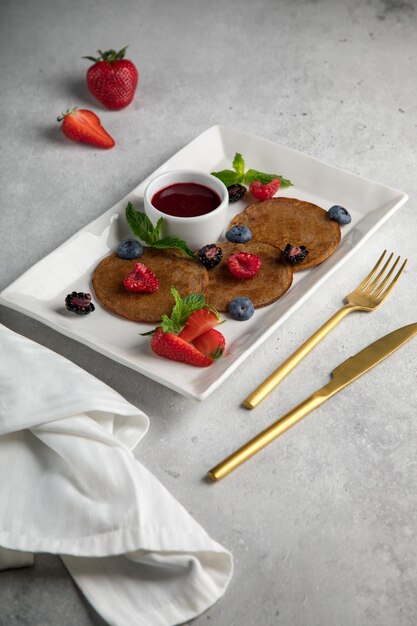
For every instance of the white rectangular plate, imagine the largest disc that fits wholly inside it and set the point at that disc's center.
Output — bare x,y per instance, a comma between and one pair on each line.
40,292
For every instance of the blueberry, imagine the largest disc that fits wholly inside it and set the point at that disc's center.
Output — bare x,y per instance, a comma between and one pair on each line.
129,249
241,308
239,234
339,214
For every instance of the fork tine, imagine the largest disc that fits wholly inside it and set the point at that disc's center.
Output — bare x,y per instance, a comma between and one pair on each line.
372,272
393,282
379,288
371,285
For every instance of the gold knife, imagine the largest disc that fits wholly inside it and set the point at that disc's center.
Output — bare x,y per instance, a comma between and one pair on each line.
344,374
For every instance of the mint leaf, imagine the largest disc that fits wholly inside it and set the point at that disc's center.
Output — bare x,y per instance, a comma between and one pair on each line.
140,224
173,242
239,165
252,175
142,227
228,177
182,310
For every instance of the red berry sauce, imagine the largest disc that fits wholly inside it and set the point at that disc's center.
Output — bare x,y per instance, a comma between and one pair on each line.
186,200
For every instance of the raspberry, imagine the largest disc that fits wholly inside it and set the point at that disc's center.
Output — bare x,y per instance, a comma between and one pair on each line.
295,254
79,303
236,192
244,265
141,280
210,255
264,192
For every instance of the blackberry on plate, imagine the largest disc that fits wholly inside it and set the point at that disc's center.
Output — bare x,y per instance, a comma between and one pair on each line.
236,192
129,249
239,234
210,255
79,303
241,308
339,214
295,254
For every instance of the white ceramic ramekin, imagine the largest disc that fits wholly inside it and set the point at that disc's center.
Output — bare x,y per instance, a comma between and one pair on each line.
196,231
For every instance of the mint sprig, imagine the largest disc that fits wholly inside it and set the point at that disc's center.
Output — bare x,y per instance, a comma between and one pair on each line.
142,227
239,176
181,312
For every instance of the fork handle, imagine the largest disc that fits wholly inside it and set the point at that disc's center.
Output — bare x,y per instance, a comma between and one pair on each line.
285,368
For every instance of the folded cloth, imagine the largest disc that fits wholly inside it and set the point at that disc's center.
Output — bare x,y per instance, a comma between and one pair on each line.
74,488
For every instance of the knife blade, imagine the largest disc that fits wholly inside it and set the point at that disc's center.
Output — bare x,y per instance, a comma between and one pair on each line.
341,376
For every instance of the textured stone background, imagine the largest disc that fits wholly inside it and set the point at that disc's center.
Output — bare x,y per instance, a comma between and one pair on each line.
322,524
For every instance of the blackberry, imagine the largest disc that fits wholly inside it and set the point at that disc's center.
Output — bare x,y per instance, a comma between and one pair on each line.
210,255
79,303
295,254
239,234
236,192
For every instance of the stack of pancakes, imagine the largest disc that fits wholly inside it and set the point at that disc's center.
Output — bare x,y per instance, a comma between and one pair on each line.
274,224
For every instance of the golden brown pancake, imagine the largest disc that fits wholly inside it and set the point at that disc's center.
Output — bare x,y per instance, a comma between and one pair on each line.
272,281
280,221
171,267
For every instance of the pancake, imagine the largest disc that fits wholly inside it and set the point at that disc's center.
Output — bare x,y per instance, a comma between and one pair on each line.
280,221
171,267
272,281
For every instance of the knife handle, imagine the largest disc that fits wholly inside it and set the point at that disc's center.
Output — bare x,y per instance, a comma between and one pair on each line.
266,436
285,368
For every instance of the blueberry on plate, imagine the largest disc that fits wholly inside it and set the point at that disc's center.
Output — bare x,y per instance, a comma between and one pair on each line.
339,214
129,249
239,234
241,308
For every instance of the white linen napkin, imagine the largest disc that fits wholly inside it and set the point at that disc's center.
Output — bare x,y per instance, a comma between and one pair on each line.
71,486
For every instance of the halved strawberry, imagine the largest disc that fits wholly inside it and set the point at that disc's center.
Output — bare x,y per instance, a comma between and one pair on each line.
264,191
84,125
141,280
172,347
198,323
244,265
211,343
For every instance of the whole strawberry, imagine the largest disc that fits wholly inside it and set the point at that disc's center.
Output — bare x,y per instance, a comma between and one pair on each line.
112,79
84,125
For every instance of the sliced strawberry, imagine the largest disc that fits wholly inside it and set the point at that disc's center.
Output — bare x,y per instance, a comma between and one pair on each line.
84,126
264,191
198,323
211,343
244,265
141,280
172,347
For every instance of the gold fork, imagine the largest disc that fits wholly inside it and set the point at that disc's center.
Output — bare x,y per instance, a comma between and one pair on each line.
366,297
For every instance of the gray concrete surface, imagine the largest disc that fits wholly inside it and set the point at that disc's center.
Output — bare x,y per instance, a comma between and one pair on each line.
322,524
